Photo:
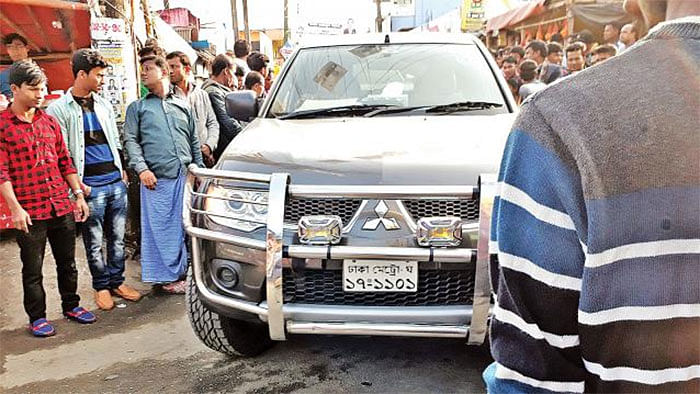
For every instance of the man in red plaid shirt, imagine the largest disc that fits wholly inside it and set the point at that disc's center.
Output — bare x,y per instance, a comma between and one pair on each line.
34,169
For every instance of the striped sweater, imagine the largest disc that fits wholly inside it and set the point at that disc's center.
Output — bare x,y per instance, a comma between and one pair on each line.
597,228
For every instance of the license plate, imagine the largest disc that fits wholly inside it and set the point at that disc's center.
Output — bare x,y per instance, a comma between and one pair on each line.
380,276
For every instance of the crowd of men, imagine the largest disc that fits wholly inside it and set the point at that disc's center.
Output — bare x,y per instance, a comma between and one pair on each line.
531,68
75,140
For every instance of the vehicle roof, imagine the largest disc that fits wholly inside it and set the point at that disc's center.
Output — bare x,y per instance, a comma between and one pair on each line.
394,38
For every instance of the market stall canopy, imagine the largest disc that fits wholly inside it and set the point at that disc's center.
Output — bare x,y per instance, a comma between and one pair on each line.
53,29
516,15
601,14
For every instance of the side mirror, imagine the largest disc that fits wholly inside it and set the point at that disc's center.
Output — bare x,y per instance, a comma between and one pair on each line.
242,105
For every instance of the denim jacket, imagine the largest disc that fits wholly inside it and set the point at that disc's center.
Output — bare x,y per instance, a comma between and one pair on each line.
70,116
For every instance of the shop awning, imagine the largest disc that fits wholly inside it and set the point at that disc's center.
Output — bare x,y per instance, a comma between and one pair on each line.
516,15
53,29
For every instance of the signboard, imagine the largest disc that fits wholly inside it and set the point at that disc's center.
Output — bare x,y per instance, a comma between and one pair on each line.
108,29
109,37
473,15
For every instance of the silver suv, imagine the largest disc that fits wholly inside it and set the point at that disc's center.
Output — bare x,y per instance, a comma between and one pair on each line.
357,200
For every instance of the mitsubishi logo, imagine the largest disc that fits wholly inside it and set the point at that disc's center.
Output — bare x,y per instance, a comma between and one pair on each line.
381,210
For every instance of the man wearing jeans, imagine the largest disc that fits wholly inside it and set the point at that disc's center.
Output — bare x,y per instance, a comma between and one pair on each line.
34,169
90,130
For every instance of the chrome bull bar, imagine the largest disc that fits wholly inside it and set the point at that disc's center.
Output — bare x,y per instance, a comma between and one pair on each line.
279,189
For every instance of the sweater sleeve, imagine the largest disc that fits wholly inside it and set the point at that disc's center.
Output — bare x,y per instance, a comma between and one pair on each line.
537,277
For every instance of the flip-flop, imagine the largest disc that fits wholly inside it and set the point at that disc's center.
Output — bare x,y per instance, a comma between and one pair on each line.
42,328
81,315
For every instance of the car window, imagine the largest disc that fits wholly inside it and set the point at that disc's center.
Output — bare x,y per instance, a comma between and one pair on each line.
393,74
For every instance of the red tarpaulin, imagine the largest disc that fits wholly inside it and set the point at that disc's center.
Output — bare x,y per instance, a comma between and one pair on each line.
54,28
515,15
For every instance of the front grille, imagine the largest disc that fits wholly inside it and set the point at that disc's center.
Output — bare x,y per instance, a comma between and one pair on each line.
345,208
324,287
465,209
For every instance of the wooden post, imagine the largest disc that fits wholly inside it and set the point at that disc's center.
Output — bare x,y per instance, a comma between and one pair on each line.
286,21
234,19
378,20
245,21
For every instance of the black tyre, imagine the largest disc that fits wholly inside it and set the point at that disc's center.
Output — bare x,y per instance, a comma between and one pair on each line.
229,336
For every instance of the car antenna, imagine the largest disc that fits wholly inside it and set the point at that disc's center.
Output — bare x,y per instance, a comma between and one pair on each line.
386,39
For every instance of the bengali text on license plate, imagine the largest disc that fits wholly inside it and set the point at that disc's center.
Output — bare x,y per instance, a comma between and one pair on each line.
380,276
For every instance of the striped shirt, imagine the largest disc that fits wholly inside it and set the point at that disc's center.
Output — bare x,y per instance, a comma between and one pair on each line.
100,169
597,228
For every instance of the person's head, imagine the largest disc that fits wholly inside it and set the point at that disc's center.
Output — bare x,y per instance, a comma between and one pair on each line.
514,86
586,37
555,53
241,49
558,38
17,46
528,70
510,67
180,66
628,34
240,75
258,62
518,53
649,12
610,34
89,69
151,51
536,50
574,57
256,82
154,69
603,53
223,70
27,82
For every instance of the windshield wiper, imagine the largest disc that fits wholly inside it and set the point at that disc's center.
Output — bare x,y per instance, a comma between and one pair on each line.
442,108
462,106
355,109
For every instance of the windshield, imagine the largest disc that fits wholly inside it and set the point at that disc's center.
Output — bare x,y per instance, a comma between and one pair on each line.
402,75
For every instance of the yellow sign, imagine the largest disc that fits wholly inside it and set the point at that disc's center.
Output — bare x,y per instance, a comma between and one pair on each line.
472,15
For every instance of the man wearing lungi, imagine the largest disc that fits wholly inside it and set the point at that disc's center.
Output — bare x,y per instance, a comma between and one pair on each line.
161,141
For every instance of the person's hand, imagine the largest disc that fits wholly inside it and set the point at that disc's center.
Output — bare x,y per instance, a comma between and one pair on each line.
125,178
206,150
21,219
148,179
82,211
86,189
207,156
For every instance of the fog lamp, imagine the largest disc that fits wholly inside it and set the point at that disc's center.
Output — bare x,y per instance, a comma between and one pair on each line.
228,276
439,231
320,229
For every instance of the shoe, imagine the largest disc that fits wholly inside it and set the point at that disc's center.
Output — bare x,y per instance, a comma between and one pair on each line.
103,300
178,287
42,328
81,315
126,292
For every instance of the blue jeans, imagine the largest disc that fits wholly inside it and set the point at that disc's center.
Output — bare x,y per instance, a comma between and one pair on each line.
108,208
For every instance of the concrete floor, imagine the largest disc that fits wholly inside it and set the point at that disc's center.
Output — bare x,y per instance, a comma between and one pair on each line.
149,347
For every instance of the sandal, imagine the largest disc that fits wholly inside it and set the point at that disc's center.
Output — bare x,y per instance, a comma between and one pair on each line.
81,315
42,328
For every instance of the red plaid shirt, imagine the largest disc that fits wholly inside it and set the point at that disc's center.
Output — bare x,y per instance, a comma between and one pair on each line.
34,158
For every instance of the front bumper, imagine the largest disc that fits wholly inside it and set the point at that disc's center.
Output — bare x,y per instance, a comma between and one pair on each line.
468,321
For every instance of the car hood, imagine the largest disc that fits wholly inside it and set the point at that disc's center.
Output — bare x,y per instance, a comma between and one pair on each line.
390,150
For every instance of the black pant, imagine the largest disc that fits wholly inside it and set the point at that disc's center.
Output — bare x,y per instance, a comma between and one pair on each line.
60,232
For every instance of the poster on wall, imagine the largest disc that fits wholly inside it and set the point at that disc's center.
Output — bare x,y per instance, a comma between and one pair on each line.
473,15
109,37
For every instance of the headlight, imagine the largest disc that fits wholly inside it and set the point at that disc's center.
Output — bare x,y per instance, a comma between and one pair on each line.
238,209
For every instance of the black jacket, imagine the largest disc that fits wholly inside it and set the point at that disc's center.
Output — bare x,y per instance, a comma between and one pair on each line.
228,126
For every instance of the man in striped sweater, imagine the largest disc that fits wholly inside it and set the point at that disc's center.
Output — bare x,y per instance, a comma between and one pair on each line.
597,224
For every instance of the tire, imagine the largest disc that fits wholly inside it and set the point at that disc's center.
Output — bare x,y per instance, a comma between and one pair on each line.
225,335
